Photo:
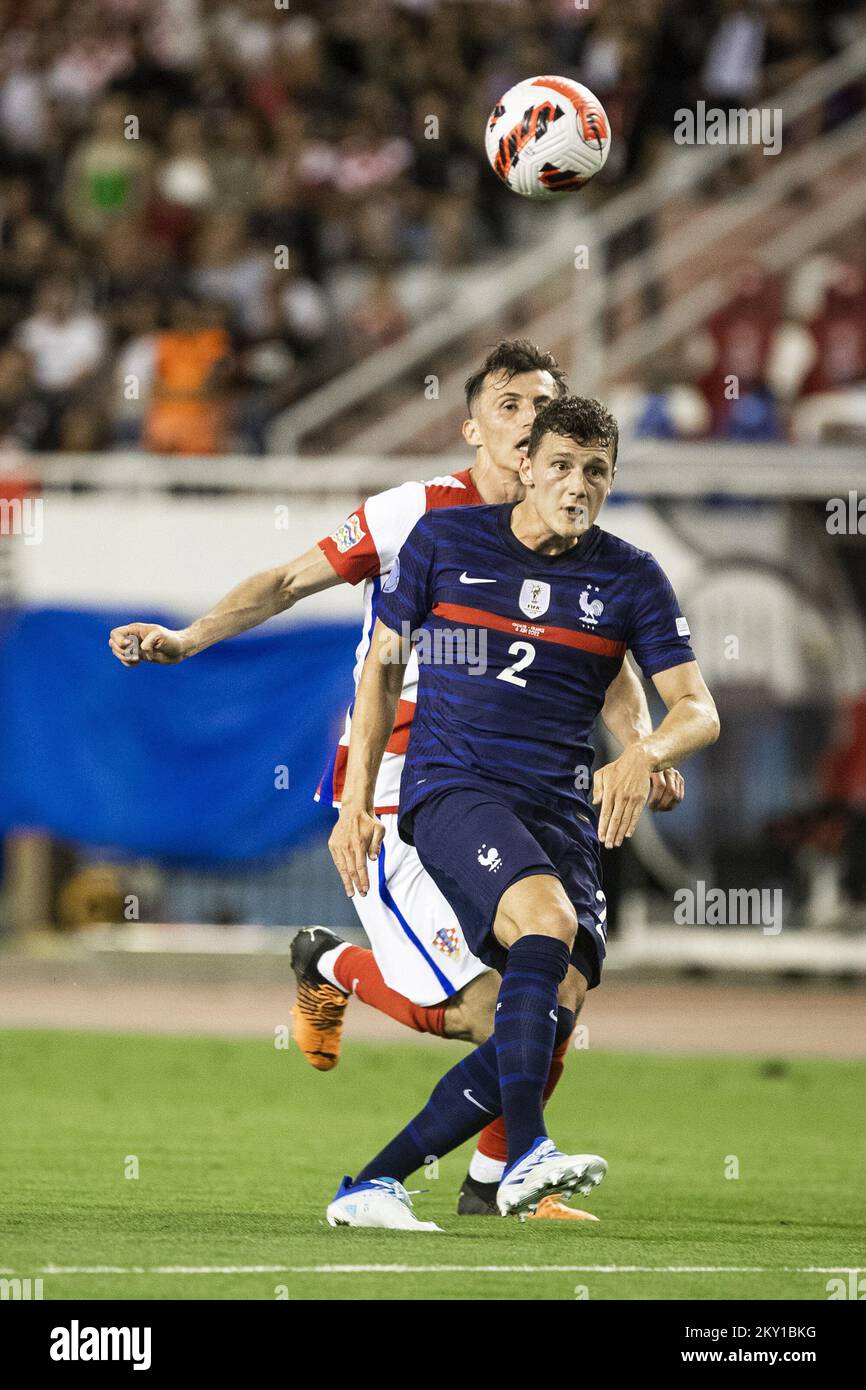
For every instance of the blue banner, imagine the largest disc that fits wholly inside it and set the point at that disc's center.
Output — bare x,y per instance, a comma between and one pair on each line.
177,762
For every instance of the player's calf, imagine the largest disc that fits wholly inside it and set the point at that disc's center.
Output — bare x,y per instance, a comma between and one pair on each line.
468,1015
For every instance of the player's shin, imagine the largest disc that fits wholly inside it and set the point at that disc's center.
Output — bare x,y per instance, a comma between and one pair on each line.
489,1160
525,1032
460,1104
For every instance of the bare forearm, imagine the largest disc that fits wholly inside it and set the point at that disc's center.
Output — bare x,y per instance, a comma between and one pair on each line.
689,725
372,721
260,597
626,712
251,602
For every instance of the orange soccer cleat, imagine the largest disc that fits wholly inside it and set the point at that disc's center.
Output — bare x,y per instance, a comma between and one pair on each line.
317,1018
550,1208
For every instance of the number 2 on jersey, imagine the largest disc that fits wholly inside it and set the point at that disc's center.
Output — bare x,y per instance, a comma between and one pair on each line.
526,652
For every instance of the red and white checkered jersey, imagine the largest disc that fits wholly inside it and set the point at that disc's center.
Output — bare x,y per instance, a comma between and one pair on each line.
364,549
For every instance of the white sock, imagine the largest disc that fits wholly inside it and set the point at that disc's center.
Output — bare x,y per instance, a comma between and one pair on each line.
484,1169
328,959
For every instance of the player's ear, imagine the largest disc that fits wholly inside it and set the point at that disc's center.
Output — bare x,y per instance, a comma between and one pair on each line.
472,434
525,471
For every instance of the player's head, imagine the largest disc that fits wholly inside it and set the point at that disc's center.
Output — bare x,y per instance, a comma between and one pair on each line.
515,380
571,462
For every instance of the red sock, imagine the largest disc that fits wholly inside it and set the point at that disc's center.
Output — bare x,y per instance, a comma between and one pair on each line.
491,1141
358,974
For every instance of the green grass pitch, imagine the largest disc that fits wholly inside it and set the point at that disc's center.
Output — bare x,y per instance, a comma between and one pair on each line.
239,1145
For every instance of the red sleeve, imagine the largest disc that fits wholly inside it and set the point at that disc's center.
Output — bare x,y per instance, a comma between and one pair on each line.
351,551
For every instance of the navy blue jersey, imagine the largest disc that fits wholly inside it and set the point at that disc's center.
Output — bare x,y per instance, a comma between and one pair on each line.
516,650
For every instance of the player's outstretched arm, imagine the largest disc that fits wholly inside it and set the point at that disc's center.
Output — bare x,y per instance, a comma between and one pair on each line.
357,833
627,718
251,602
691,723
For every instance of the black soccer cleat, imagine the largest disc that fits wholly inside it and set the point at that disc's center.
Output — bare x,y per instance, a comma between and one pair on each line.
317,1018
477,1198
308,947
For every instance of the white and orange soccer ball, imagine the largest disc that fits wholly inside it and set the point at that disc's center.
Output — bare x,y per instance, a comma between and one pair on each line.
547,137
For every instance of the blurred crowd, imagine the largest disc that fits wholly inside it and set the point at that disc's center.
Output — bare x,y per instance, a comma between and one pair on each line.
783,359
208,207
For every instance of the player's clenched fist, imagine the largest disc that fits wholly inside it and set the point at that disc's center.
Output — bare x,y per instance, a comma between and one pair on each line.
137,642
355,838
667,790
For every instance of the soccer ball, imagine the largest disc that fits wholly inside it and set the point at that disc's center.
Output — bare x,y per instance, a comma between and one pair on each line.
547,136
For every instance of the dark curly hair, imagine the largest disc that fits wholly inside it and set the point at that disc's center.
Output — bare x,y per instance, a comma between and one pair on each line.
580,418
513,356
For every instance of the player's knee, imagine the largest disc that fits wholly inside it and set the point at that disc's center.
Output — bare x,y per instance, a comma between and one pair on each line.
555,919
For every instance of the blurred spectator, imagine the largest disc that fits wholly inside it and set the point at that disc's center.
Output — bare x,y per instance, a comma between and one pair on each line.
94,48
666,406
66,345
23,94
23,417
301,311
233,271
753,418
108,174
186,176
238,166
379,319
839,333
22,264
735,350
827,358
130,264
732,69
188,408
134,368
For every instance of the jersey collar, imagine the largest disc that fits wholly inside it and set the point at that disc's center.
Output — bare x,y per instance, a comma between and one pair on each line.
473,496
584,548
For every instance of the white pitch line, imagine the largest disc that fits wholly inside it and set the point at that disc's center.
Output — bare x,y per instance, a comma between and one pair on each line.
444,1269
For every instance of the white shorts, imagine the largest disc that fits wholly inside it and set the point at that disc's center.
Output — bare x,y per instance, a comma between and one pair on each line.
416,939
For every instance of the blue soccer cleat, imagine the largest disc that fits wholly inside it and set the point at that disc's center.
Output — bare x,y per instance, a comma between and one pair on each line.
381,1202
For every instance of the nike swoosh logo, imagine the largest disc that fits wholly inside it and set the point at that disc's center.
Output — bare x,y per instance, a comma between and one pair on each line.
553,1015
469,1096
465,579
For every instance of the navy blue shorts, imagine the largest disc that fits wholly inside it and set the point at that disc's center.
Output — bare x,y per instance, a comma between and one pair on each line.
474,847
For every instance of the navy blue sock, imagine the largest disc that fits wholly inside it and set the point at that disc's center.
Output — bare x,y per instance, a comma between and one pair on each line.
462,1103
526,1020
453,1113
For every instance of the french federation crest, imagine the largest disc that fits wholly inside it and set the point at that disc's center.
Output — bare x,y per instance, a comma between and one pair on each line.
591,608
534,598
